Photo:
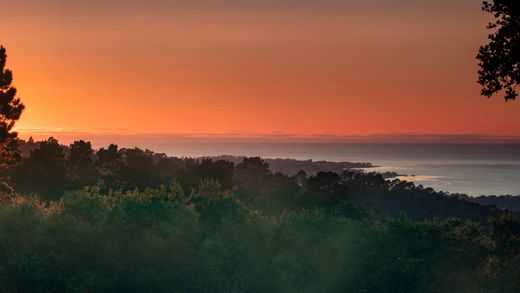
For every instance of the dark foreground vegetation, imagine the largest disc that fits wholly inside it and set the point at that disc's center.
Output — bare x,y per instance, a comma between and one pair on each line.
211,240
152,223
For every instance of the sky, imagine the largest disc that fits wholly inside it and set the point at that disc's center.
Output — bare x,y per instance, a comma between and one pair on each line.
284,68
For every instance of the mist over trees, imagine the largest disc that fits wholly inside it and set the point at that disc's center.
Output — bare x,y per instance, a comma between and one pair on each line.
211,240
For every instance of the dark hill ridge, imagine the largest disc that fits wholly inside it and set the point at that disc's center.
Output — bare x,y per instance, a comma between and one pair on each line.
503,202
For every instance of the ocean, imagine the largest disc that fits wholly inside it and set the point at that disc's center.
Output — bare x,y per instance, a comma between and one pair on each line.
472,169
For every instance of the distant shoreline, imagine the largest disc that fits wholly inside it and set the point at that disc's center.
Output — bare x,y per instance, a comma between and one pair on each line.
423,164
291,167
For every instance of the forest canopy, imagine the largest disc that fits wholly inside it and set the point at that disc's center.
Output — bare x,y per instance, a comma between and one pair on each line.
117,219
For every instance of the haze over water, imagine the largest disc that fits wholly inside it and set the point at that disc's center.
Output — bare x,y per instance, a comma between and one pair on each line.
473,169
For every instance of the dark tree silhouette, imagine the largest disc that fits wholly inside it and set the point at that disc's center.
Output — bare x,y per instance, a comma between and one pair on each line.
10,110
10,106
44,171
139,171
80,164
499,60
252,174
109,164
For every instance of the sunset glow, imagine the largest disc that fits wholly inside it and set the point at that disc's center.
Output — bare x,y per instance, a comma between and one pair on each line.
251,67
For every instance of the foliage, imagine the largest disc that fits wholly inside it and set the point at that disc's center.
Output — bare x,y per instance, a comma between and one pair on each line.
499,60
51,169
11,109
11,106
44,171
149,222
209,240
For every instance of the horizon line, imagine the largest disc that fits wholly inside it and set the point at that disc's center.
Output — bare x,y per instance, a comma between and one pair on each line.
122,134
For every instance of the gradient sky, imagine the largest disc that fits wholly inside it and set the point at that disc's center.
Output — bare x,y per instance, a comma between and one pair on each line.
299,67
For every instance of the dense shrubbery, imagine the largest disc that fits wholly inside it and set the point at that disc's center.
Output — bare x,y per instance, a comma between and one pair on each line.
154,223
211,240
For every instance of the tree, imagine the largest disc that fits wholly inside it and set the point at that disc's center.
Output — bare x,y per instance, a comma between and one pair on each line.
196,171
43,172
325,189
139,171
499,60
109,163
10,106
81,164
10,110
252,174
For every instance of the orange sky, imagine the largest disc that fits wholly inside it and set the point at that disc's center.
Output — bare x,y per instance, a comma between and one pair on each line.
304,67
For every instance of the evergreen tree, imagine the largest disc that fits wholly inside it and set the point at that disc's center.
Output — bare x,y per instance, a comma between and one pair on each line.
10,110
10,106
